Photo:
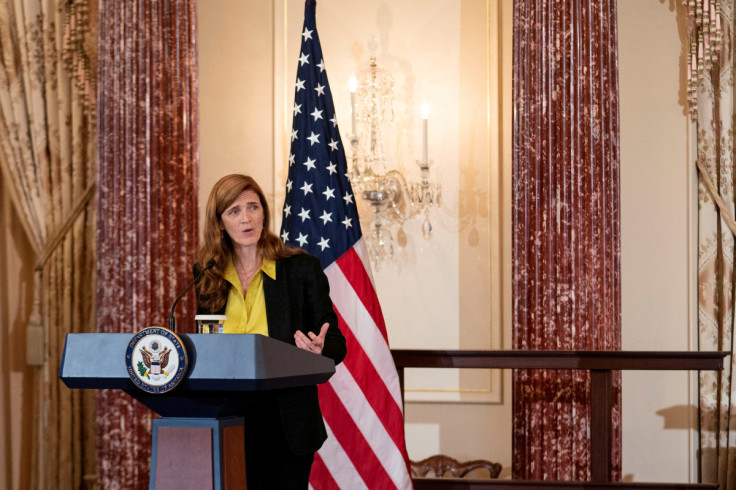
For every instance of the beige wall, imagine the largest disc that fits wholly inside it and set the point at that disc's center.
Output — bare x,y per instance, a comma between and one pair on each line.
236,97
658,251
248,53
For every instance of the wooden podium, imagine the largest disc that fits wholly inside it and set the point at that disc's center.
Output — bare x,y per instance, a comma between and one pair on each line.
199,440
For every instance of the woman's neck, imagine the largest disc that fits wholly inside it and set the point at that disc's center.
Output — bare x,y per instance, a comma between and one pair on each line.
247,258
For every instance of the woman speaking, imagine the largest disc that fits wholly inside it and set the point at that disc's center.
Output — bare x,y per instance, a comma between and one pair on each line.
265,287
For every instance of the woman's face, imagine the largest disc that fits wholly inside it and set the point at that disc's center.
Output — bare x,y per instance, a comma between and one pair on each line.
243,219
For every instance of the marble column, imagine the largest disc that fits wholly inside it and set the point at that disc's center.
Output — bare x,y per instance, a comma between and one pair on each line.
147,199
566,225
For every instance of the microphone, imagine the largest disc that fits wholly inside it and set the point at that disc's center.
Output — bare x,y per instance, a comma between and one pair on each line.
172,320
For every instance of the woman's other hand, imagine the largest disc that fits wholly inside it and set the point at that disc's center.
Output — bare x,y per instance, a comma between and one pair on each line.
314,343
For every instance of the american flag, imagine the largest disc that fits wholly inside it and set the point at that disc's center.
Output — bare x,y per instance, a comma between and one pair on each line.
361,404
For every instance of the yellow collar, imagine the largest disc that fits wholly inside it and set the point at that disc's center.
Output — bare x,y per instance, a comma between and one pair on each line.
268,267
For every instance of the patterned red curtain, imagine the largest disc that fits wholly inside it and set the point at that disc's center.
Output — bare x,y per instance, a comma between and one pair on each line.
147,199
566,225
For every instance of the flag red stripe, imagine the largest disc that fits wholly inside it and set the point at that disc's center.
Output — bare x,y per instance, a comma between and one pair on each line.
354,271
348,434
320,477
373,386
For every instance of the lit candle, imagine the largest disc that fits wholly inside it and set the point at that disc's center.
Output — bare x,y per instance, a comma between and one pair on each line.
353,86
425,116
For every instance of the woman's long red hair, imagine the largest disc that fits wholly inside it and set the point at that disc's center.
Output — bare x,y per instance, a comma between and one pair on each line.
216,244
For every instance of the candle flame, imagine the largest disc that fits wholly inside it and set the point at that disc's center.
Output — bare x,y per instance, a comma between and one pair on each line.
353,84
425,110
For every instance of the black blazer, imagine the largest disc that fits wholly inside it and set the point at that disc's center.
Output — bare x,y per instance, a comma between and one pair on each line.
299,299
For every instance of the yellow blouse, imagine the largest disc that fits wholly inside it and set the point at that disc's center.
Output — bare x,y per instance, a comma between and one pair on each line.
247,314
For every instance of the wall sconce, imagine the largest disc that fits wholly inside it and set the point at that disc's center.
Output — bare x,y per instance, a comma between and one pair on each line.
392,198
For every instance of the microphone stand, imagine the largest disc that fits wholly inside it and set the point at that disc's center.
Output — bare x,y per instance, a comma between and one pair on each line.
172,319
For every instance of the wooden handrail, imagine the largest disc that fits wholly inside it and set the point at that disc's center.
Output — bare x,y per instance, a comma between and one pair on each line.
466,484
542,359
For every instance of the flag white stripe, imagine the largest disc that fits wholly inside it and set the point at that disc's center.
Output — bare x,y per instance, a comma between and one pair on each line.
338,463
370,426
366,332
362,251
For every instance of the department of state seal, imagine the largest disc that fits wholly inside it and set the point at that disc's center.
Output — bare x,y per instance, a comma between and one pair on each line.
156,360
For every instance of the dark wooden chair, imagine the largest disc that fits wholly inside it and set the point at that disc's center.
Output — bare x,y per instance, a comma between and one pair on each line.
440,465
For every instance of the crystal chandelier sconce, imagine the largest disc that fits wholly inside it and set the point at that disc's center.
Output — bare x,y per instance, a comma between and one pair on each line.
706,43
392,199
